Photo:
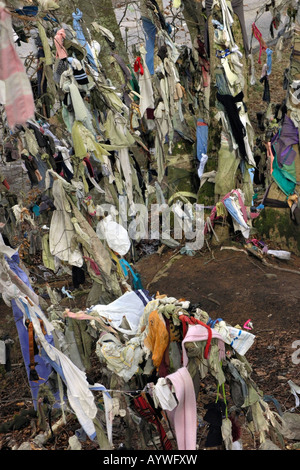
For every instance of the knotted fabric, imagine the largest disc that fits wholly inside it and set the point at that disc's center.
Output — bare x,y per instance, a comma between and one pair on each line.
138,67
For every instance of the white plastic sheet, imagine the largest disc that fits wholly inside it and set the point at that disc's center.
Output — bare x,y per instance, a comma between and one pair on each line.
129,305
280,254
115,234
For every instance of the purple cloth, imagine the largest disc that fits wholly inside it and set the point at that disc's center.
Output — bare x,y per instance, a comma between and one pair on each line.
284,140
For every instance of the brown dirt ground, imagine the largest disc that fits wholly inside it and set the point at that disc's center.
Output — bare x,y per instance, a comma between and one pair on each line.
225,283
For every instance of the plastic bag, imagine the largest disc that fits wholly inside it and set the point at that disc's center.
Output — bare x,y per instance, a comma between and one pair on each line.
280,254
116,236
241,340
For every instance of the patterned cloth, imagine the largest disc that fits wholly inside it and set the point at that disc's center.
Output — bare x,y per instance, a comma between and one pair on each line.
19,103
144,408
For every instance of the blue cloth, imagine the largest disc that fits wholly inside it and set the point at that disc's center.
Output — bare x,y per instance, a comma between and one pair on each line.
33,11
269,53
77,16
150,34
43,367
202,137
143,295
36,210
28,11
137,283
234,212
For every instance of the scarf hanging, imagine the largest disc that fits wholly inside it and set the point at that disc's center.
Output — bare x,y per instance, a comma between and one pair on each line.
262,45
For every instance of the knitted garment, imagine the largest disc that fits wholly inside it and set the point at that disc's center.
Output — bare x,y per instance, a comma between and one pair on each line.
80,77
19,103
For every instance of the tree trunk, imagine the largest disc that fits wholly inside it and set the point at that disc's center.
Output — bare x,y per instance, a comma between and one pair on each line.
194,18
103,13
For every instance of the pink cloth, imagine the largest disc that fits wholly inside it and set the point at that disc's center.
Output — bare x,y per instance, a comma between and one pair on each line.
61,52
242,205
93,265
19,102
200,333
79,315
270,156
213,214
184,416
84,316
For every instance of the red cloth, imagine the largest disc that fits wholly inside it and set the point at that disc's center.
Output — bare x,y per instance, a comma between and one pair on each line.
6,184
194,321
262,45
144,408
138,67
89,166
93,265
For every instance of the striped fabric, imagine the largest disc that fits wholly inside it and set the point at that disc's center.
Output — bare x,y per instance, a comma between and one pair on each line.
19,103
145,410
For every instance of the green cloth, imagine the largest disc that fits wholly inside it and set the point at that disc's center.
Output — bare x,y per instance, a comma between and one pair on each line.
285,177
46,47
83,340
101,435
116,131
228,163
84,142
48,259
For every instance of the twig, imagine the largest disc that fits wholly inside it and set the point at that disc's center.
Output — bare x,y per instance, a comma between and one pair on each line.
163,269
212,253
256,265
212,300
264,262
211,259
278,268
124,14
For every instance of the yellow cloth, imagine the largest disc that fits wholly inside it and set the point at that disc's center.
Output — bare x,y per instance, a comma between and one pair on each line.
176,3
157,339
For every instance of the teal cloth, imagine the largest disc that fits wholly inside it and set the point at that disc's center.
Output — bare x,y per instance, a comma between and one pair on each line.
285,177
137,283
